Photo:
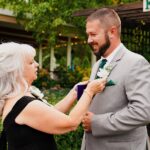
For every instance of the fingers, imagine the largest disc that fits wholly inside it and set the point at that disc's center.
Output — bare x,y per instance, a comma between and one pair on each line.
83,82
86,121
102,80
80,83
86,128
100,86
102,83
99,81
85,125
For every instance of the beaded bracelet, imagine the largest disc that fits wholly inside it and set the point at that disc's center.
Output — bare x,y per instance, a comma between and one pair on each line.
88,94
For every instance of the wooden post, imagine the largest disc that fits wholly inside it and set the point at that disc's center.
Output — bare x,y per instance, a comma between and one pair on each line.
40,57
69,52
52,62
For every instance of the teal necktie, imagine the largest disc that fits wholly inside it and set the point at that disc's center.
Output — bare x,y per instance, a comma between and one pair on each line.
101,65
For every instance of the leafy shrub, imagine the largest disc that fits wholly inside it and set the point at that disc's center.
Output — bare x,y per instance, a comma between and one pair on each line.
70,141
44,81
68,77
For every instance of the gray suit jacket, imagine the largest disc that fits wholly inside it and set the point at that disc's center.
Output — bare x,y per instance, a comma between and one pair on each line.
122,110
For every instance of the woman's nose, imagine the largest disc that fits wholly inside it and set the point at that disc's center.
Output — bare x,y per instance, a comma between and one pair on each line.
36,64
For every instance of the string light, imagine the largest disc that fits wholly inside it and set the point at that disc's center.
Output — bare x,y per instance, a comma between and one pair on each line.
72,43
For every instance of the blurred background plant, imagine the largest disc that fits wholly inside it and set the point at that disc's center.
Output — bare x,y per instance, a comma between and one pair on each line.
48,17
79,71
44,81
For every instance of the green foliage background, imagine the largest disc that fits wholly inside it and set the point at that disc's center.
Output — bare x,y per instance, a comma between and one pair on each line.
45,19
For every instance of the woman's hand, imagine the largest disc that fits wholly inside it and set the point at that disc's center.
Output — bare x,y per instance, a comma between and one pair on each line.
96,86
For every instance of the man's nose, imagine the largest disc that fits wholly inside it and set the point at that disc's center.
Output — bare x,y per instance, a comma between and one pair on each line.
90,40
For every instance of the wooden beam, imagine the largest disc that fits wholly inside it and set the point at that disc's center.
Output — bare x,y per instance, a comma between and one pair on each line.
129,13
8,19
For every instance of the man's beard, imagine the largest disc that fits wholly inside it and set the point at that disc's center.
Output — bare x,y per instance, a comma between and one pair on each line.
103,48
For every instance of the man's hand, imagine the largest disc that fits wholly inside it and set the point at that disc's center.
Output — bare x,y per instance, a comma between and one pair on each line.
86,121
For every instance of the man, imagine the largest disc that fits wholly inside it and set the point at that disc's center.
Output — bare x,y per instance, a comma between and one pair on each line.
118,116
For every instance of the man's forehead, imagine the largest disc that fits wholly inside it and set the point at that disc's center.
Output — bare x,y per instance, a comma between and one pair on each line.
93,25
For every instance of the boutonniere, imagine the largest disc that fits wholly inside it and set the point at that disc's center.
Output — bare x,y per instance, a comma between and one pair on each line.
38,94
104,72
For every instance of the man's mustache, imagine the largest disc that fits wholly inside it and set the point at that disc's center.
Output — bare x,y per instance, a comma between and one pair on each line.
91,46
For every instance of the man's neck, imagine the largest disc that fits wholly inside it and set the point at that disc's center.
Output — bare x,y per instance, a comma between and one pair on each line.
112,47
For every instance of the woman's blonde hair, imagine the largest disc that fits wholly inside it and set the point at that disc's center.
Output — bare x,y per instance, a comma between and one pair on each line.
12,58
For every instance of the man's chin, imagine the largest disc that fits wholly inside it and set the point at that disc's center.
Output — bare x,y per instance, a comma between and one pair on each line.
97,55
94,51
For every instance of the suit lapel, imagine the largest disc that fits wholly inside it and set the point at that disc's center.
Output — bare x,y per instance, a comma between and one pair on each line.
118,57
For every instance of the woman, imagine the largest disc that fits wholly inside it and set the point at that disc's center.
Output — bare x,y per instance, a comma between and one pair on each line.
28,122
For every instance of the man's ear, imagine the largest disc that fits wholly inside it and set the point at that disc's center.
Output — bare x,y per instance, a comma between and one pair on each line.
112,32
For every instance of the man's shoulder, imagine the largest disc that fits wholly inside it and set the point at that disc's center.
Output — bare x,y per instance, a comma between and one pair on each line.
133,56
133,59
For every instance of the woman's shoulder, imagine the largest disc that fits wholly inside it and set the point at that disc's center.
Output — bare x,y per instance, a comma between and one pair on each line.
16,104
